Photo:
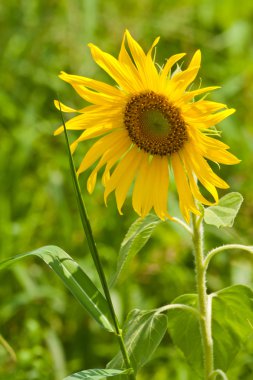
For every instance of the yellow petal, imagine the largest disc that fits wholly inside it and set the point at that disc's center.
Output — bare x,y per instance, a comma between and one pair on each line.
111,156
137,52
203,171
98,149
122,177
91,83
193,184
186,77
170,62
61,107
160,186
141,193
146,68
202,107
208,121
96,97
189,95
96,131
196,59
214,149
130,68
93,117
80,122
113,67
186,201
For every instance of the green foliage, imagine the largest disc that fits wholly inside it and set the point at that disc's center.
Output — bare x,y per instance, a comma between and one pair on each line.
232,313
232,318
224,213
136,237
40,320
96,374
74,279
183,327
142,332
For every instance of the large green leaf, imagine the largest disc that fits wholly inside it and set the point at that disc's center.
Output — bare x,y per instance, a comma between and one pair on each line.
96,374
232,322
223,214
142,333
136,237
74,279
183,327
232,318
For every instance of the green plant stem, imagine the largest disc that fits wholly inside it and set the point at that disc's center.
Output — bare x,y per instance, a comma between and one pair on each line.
220,373
8,348
213,252
182,224
96,259
205,306
177,306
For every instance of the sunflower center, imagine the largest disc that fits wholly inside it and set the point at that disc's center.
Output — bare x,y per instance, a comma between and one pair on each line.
154,124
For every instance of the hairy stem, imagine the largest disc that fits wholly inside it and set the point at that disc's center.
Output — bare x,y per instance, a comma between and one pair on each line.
213,252
205,306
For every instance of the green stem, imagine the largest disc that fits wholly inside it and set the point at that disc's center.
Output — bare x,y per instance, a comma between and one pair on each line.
96,258
182,224
225,247
177,306
8,348
205,306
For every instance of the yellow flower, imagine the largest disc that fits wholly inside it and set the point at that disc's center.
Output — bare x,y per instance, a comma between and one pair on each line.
148,127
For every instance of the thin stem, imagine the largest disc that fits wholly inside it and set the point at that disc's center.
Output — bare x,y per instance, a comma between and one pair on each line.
8,348
96,258
177,306
183,224
225,247
205,306
220,373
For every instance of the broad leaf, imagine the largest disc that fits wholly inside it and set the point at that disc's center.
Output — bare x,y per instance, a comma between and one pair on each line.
136,237
96,374
232,322
142,333
183,327
74,279
232,318
223,214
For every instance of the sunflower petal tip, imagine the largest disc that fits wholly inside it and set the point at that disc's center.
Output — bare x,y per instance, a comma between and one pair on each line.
62,74
91,46
58,131
120,211
57,103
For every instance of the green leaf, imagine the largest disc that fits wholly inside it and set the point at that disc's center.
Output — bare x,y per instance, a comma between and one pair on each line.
232,317
96,374
223,214
142,333
232,322
135,239
74,279
183,327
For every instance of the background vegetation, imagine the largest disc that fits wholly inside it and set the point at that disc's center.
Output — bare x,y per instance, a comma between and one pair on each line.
47,332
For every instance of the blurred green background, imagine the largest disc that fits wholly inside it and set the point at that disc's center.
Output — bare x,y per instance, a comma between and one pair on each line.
48,331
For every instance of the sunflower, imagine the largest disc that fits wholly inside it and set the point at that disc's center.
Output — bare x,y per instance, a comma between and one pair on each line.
147,127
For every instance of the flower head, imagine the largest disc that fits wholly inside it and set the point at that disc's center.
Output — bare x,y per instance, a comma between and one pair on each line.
147,127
